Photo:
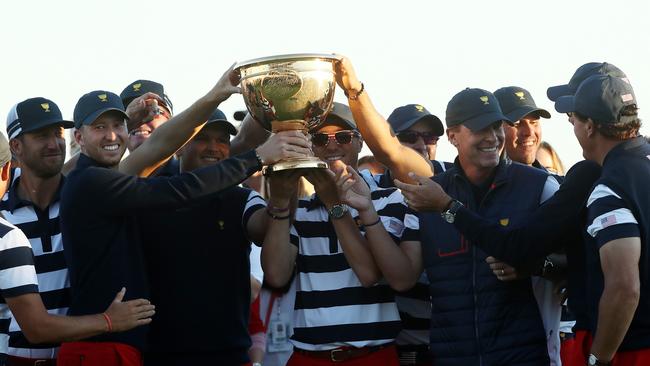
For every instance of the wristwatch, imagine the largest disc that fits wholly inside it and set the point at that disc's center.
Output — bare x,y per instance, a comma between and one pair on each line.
256,364
337,211
593,361
449,214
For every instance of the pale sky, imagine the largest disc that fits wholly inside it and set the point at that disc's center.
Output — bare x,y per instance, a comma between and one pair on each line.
404,51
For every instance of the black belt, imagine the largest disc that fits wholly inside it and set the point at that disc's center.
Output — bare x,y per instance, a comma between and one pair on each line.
22,361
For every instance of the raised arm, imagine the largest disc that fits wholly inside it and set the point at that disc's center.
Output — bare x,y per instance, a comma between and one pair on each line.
375,130
173,134
400,265
278,252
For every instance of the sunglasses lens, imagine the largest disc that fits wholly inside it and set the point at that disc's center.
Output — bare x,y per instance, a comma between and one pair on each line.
429,138
343,137
319,139
408,137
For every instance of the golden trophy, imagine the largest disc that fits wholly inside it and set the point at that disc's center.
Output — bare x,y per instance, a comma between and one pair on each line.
289,92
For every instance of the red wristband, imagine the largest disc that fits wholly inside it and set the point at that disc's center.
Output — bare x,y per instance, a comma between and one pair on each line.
108,322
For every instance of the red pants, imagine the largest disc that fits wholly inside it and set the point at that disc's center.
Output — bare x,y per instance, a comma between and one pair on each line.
98,354
383,357
575,352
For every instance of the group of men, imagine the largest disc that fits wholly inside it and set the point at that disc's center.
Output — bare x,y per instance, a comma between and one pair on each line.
430,263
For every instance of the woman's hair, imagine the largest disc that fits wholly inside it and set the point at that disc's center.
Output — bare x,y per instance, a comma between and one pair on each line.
557,166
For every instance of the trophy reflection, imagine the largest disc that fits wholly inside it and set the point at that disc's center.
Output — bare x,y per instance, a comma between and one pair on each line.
289,92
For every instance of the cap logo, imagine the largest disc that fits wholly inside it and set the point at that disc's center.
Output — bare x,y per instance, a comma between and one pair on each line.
504,222
520,94
46,107
419,108
136,86
627,98
485,100
102,97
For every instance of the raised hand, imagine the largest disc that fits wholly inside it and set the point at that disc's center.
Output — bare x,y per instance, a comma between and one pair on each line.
125,315
226,86
324,181
425,195
346,78
352,189
143,109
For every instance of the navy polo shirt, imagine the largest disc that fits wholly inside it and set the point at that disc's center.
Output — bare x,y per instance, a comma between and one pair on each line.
199,271
100,232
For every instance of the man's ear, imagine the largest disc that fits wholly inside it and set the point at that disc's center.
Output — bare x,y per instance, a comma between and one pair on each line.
78,137
451,136
15,145
590,125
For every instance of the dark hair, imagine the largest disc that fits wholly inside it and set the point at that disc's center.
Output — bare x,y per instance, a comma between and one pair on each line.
627,127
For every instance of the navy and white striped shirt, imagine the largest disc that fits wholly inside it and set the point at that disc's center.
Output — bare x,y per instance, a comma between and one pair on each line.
609,217
41,227
17,275
332,308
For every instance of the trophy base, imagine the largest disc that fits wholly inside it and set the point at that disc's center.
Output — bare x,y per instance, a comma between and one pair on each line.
311,163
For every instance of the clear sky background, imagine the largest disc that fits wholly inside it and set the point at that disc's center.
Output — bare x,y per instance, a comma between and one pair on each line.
404,51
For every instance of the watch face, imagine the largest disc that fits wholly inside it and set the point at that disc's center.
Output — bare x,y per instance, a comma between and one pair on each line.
337,211
592,360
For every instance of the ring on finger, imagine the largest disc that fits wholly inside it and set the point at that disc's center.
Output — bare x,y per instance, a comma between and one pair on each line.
503,272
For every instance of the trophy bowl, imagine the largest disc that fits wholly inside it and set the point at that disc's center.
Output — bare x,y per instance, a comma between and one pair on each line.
289,92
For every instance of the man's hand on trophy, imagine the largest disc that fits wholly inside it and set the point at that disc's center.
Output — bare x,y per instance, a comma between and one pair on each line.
143,109
283,145
226,86
424,195
324,182
345,75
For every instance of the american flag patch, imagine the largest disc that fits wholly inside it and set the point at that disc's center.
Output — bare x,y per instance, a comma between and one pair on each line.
395,226
608,221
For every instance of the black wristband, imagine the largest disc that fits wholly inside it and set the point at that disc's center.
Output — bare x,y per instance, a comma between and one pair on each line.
277,217
363,227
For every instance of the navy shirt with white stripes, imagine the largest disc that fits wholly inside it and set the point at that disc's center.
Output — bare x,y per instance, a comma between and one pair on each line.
332,308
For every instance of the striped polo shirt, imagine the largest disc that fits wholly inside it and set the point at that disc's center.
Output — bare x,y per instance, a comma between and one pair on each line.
41,227
609,217
332,308
17,275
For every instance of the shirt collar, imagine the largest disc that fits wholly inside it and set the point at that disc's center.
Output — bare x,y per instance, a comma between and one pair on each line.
15,202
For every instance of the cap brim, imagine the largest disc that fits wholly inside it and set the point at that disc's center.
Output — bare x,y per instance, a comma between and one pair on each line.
557,91
47,123
230,128
522,112
334,118
565,104
484,120
93,116
438,128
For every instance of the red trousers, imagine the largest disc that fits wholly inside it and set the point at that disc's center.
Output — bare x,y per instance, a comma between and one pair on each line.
575,352
383,357
98,354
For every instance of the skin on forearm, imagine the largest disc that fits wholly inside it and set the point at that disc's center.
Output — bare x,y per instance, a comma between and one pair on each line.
278,254
356,251
168,138
400,265
41,327
251,135
620,264
376,132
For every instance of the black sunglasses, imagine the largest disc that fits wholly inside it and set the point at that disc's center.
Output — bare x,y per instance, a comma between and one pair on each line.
342,138
411,137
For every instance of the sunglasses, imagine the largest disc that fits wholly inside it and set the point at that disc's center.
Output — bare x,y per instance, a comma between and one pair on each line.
342,138
411,137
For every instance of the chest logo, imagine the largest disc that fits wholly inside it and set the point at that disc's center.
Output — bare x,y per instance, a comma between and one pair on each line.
504,222
220,224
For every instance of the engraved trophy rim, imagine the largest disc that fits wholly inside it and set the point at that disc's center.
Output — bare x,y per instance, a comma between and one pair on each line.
287,58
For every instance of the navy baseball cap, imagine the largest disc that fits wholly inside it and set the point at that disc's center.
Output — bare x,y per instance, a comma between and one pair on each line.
516,103
32,114
340,114
92,105
582,73
601,98
140,87
475,108
219,117
406,116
